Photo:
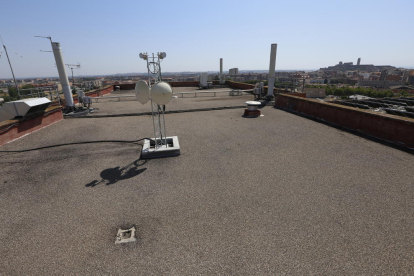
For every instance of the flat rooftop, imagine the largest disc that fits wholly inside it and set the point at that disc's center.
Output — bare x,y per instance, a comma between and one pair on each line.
278,194
108,105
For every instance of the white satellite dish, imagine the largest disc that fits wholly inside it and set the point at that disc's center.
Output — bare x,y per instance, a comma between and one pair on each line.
142,91
161,93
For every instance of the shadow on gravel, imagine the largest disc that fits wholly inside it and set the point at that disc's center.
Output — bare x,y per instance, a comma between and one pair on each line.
113,175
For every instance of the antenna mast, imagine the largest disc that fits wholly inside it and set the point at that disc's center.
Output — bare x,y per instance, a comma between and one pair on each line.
154,71
73,66
62,72
11,68
160,94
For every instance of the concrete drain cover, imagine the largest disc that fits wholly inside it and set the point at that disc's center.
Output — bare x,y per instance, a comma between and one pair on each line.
124,236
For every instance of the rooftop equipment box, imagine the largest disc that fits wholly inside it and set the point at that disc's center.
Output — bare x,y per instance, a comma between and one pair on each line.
23,108
203,79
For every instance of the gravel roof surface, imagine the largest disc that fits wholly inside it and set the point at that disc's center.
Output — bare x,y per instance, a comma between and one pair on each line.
278,194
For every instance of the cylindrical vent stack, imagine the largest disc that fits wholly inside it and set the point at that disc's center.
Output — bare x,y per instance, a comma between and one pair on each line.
62,73
221,69
272,68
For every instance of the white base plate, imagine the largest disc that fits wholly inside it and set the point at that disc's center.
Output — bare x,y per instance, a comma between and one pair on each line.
171,149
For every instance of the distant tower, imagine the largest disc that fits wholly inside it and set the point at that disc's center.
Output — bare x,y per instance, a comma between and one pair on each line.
221,70
359,61
272,68
340,63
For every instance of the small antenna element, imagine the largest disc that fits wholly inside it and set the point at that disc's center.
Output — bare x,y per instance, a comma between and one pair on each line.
71,67
48,37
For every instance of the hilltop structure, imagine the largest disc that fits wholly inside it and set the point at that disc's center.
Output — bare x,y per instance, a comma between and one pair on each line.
349,66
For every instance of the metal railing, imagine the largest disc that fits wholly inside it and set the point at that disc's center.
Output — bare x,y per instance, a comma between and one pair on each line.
112,97
234,92
231,93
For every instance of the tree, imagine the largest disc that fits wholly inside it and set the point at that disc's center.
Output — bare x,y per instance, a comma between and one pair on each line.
27,86
403,93
216,78
13,94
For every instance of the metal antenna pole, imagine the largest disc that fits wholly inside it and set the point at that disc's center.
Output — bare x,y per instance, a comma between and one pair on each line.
159,68
149,76
73,79
303,85
73,66
158,120
11,68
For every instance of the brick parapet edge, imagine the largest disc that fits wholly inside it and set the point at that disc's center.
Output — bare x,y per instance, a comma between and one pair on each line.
13,129
394,129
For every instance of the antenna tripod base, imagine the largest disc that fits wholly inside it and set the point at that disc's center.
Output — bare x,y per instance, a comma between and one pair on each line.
150,151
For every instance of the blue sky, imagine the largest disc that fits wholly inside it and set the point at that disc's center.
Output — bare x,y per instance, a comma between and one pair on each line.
107,36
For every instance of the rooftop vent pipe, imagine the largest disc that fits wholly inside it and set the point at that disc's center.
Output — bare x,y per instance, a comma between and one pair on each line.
221,70
272,68
62,74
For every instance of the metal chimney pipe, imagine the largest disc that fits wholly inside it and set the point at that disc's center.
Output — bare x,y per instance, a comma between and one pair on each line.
62,74
221,69
272,68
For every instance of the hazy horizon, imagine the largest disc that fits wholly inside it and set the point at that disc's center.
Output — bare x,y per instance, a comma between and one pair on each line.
145,73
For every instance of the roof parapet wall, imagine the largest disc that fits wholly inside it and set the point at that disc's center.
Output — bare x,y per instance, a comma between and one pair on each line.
389,128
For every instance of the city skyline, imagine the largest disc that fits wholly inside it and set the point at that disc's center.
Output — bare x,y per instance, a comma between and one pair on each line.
107,38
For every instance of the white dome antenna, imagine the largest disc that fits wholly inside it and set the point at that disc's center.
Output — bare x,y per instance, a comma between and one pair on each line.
142,91
161,93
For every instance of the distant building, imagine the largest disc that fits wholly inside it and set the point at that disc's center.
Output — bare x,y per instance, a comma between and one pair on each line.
399,89
379,83
383,75
405,75
314,92
91,84
348,66
393,78
319,81
233,71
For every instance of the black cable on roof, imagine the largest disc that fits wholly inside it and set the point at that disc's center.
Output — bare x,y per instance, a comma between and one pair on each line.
78,143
